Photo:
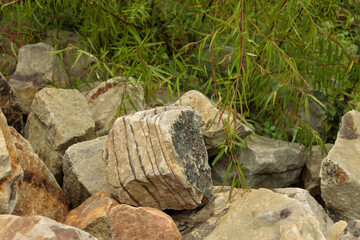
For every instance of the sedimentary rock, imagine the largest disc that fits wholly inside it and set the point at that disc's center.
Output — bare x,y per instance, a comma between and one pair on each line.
10,171
59,118
38,227
158,158
39,193
144,223
114,98
84,171
340,173
92,216
36,67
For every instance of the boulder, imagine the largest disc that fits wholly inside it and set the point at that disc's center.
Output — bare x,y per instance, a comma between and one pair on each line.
38,227
270,163
335,231
10,171
84,171
157,158
212,126
263,214
39,193
92,216
340,172
114,98
36,67
143,223
59,118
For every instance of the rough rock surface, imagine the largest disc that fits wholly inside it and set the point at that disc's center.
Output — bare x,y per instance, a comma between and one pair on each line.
144,223
38,227
352,231
212,130
114,98
10,171
39,193
340,172
263,214
158,158
311,172
84,171
36,67
335,231
92,216
59,118
270,163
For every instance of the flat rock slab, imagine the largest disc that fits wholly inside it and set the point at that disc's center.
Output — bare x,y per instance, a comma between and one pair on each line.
340,172
38,227
84,171
39,193
59,118
158,158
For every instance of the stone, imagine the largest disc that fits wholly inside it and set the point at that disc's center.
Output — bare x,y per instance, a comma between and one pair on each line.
211,128
263,214
59,118
352,231
36,67
38,227
340,173
311,173
157,158
143,223
114,98
335,231
271,163
84,171
39,193
92,216
162,96
11,173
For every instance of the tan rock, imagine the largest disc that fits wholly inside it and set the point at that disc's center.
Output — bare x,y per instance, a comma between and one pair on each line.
92,216
144,223
158,158
335,231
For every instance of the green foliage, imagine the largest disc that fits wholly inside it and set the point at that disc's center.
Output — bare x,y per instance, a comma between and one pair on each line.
261,59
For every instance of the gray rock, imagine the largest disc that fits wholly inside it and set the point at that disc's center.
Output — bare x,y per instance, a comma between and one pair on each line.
157,158
352,231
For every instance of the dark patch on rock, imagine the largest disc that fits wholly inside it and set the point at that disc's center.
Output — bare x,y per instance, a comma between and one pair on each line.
37,78
103,90
332,173
285,213
348,130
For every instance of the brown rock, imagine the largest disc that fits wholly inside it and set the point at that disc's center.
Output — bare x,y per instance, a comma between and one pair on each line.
144,223
39,193
92,215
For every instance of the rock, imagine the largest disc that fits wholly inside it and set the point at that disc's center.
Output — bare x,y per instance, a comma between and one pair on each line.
160,97
39,193
84,171
157,158
59,118
10,171
352,231
144,223
212,130
38,227
196,224
271,163
36,68
114,98
263,214
317,115
340,173
92,216
311,172
335,231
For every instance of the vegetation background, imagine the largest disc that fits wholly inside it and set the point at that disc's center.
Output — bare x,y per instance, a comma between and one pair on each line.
266,60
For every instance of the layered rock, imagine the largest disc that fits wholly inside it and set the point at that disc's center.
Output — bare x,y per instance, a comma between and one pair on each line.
84,171
59,118
10,171
39,193
144,223
92,215
114,98
271,163
340,173
158,158
38,227
36,67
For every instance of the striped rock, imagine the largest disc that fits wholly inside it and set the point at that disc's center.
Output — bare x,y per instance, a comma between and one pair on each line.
157,158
